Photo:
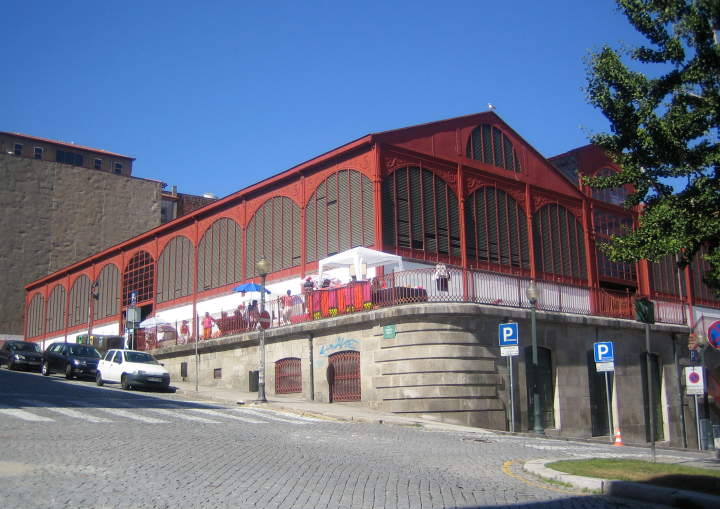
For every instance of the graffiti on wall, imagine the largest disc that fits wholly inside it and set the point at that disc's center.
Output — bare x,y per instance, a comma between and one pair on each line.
339,344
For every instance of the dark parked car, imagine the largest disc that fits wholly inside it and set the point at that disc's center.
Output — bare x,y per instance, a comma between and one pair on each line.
21,354
71,359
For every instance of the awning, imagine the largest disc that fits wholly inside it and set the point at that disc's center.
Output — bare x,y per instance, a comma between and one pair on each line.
357,257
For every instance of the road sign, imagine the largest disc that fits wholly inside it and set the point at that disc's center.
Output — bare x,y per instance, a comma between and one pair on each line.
694,381
508,334
604,366
264,319
714,335
389,332
604,351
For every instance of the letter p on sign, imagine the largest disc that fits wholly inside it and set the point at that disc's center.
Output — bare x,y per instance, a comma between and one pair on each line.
604,351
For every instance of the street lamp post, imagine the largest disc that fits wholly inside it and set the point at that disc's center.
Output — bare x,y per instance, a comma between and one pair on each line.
532,295
262,267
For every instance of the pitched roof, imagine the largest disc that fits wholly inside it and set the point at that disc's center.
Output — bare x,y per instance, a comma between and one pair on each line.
64,144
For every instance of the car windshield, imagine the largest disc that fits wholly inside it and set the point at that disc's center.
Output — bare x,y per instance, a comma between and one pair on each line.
140,357
25,347
84,351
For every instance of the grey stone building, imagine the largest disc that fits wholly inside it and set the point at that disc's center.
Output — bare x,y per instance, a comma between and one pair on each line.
62,202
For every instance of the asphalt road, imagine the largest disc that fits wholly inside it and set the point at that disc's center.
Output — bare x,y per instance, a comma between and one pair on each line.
72,444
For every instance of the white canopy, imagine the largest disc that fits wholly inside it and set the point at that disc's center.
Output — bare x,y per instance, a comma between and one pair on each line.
357,257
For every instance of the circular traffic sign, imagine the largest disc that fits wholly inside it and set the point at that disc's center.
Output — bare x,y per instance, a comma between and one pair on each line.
694,377
714,334
264,319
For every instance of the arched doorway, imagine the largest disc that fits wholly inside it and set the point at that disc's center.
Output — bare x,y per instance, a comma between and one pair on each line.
344,376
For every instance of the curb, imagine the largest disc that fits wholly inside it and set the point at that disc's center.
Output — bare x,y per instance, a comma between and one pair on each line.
623,489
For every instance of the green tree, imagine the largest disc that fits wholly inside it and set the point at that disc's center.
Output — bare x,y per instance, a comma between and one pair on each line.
665,124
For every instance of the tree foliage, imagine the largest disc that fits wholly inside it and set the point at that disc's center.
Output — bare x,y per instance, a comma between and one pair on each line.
662,100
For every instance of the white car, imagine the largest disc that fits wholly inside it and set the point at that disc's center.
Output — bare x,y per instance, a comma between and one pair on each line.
132,368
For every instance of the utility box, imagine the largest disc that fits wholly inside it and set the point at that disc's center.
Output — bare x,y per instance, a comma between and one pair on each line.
253,381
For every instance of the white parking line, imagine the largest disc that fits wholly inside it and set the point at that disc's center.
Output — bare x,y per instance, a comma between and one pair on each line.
207,411
267,415
180,415
25,416
69,412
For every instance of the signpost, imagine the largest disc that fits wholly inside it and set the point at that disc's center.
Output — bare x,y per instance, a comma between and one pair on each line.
509,338
695,386
605,362
389,332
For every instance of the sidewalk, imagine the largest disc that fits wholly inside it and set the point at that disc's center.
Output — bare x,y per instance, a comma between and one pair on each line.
358,413
295,404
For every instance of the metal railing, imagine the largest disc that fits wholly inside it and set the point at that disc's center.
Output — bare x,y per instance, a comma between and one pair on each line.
408,287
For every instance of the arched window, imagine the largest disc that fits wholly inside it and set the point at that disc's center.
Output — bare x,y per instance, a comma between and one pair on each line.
490,145
614,195
607,224
496,229
56,309
288,376
339,215
78,312
108,292
175,270
274,232
139,277
35,316
220,255
420,212
559,243
700,269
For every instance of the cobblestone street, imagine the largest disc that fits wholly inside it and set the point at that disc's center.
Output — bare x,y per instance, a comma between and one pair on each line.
70,444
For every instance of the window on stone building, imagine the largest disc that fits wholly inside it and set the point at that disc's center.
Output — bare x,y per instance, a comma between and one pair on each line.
17,149
97,164
65,157
117,168
38,152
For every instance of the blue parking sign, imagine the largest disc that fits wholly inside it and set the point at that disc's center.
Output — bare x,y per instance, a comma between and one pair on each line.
508,334
604,351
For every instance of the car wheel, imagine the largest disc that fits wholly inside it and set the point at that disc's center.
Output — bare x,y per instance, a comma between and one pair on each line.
98,379
11,364
68,371
45,369
124,383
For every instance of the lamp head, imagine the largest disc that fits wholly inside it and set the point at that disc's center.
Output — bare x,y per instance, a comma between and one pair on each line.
532,293
262,266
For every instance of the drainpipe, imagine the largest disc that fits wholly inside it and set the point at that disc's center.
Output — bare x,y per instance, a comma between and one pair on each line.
312,370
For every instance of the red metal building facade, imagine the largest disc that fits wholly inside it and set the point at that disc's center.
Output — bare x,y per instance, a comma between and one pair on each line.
468,192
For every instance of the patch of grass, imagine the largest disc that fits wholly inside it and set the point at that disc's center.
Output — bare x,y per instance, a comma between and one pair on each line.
668,475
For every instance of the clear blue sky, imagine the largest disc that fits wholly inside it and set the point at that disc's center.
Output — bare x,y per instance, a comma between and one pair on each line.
214,96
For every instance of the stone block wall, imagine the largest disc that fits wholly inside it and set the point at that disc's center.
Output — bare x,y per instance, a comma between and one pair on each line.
56,214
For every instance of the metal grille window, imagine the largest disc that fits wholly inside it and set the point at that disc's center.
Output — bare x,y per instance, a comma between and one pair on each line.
56,309
139,277
108,292
288,376
666,277
420,212
344,376
274,233
79,302
614,195
175,270
65,157
339,215
496,229
559,243
35,316
699,269
220,255
490,145
607,224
